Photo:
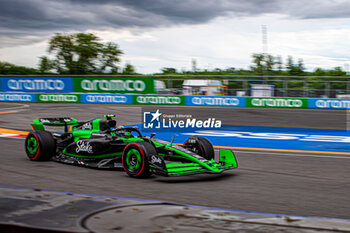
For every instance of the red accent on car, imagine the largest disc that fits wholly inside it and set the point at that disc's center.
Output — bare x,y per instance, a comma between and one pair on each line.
37,153
143,158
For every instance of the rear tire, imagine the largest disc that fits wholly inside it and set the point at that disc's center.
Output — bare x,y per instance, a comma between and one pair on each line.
135,158
201,146
40,145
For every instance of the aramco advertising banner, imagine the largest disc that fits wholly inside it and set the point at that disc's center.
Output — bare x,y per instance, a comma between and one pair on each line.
329,103
159,99
37,84
18,97
58,98
94,98
224,101
269,102
114,85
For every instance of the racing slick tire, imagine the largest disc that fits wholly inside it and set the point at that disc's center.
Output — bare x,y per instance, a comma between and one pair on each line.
40,145
135,158
201,146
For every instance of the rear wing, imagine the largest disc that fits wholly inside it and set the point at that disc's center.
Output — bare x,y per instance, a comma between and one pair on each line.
57,121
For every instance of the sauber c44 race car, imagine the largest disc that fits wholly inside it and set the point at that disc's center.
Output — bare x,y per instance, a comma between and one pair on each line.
99,143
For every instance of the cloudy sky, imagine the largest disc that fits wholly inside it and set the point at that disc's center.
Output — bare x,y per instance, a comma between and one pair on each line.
170,33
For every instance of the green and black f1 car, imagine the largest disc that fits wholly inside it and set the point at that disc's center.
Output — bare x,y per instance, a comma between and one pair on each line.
99,143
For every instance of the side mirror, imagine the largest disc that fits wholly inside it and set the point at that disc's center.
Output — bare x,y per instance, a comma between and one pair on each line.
153,134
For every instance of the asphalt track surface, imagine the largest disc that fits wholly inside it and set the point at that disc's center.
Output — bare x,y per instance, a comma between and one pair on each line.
285,183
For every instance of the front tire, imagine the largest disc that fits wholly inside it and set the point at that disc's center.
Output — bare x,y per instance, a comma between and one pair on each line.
135,158
201,146
40,145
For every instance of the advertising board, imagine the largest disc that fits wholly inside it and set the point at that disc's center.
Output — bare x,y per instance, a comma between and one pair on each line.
58,98
17,97
267,102
329,103
224,101
106,98
113,85
37,84
159,99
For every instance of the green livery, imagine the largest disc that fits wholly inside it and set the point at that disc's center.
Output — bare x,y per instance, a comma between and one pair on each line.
99,143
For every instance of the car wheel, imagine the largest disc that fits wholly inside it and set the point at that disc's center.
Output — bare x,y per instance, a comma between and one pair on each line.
40,145
201,146
135,158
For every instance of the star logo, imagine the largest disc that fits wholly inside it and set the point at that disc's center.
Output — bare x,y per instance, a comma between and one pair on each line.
156,115
151,120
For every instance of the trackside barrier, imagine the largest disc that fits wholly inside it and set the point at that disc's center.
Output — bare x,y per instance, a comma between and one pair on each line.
58,98
18,97
177,100
159,99
224,101
329,103
137,85
266,102
37,84
94,98
113,85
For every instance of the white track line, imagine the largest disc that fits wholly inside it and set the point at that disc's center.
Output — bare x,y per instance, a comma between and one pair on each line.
21,106
295,155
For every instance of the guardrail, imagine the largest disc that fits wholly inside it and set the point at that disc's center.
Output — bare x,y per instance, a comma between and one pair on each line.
153,99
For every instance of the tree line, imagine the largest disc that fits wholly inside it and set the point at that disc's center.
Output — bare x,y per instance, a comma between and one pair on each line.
263,65
75,54
85,54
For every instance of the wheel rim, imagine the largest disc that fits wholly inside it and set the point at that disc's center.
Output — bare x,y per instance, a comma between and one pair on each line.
195,150
32,145
133,159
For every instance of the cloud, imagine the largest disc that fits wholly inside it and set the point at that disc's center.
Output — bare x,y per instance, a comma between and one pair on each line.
31,17
223,42
170,30
314,9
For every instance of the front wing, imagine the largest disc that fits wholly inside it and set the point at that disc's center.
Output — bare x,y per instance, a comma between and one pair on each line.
226,161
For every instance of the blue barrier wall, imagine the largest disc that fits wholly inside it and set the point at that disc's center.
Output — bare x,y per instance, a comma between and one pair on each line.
18,97
37,84
329,103
100,98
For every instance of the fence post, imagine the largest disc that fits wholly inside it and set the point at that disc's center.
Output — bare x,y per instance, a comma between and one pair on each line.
245,87
327,86
170,84
305,89
285,87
